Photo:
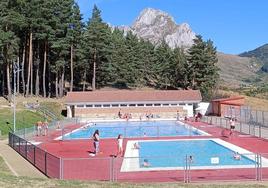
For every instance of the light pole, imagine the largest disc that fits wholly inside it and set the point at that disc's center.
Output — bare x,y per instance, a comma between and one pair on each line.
15,70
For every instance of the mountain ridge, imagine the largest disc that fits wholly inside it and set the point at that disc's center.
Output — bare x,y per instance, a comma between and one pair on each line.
261,54
156,25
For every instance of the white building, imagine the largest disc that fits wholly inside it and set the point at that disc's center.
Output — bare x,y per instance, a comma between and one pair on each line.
137,102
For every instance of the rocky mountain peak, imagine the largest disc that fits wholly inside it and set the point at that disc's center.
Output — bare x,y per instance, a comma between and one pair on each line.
151,16
156,26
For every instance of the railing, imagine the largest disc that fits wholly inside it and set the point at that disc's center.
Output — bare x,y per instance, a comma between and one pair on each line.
47,112
190,168
185,169
30,132
245,127
167,167
47,163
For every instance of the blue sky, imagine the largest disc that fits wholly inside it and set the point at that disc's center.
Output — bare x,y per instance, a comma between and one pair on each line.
235,26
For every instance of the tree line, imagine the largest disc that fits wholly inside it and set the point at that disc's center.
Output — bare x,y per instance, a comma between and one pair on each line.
53,51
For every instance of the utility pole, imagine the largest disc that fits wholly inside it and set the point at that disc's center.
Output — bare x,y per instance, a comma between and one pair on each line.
15,70
14,97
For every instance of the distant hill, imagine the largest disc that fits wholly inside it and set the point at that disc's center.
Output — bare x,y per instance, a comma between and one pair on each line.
260,54
235,70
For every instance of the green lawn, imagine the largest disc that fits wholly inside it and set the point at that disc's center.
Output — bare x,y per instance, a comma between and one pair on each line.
24,119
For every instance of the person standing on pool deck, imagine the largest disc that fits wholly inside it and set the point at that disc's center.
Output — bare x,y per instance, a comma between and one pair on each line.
96,139
120,145
232,125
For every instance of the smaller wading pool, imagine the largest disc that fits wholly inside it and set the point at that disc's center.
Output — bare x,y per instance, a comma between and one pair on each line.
176,154
135,129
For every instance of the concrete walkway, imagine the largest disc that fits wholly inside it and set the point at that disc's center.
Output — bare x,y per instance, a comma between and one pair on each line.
16,163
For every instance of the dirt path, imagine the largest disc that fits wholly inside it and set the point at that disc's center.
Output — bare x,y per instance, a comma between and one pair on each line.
16,163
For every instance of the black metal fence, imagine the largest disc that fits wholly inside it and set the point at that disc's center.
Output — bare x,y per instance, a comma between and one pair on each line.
47,163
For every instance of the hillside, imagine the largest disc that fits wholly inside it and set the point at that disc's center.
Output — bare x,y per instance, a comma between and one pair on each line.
235,70
260,54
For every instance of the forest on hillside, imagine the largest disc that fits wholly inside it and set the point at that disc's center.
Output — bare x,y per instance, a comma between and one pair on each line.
47,50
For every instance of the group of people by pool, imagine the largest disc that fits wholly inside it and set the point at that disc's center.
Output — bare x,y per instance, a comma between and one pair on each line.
148,115
120,150
96,143
125,116
41,128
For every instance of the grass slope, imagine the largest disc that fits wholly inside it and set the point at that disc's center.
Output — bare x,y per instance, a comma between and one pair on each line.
234,70
24,119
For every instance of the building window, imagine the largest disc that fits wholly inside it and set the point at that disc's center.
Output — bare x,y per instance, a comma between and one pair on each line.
173,104
132,105
89,106
123,105
140,104
182,104
165,104
97,105
106,105
149,104
190,104
157,104
80,106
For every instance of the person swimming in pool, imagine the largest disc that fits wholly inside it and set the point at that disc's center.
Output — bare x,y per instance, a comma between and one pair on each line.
146,163
191,159
237,156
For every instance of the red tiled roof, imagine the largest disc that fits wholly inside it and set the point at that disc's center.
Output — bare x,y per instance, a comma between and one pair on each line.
228,99
133,96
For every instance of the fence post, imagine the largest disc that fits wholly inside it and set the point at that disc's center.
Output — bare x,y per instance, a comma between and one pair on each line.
13,140
19,144
262,124
256,167
62,134
46,163
26,148
61,169
34,154
259,167
240,120
185,177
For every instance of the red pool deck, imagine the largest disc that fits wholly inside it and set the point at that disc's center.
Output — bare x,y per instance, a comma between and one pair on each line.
78,164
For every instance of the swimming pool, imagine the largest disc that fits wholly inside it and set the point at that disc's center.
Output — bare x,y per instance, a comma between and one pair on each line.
135,129
174,154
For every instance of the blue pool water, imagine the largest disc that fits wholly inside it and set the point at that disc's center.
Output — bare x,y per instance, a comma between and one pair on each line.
173,153
134,129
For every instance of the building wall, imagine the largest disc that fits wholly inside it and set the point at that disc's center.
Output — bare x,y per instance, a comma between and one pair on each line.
135,111
215,108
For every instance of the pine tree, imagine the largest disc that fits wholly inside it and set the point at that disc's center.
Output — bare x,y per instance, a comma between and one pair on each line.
180,69
202,69
163,71
96,40
114,70
74,35
10,22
